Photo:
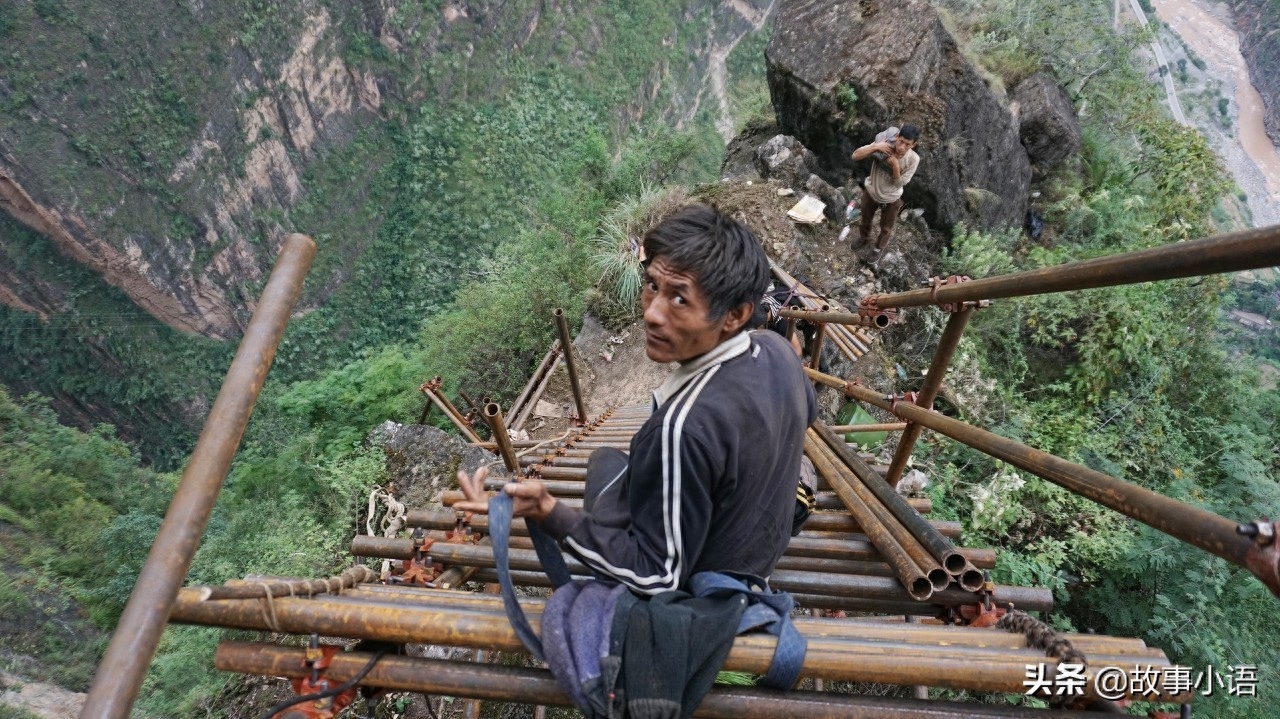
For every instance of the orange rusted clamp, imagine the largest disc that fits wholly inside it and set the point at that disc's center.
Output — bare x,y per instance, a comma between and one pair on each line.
318,659
1263,555
937,283
894,399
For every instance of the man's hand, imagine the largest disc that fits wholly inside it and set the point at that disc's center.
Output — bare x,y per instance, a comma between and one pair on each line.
531,498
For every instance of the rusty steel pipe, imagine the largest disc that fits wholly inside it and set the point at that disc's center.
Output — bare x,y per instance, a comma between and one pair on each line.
1244,250
832,657
566,342
933,541
457,421
815,353
470,402
449,407
821,521
531,403
805,545
882,427
547,360
493,414
912,576
536,686
947,344
877,319
1215,534
368,545
845,524
848,488
866,628
289,587
123,667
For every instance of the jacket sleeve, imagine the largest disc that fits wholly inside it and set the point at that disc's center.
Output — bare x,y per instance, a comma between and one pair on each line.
655,551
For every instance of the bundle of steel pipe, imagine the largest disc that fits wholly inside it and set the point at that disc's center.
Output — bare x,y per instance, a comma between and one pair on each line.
817,545
820,521
873,489
920,578
809,580
906,659
536,686
1191,524
853,343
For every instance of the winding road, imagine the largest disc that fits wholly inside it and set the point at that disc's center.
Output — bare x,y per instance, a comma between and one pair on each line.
1169,90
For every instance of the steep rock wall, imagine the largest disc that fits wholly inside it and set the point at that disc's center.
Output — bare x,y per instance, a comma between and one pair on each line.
841,72
168,156
154,169
1259,24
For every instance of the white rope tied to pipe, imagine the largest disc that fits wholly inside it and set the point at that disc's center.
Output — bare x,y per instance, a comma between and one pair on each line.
392,521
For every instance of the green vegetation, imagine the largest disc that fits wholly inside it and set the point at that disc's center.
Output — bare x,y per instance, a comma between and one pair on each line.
1124,380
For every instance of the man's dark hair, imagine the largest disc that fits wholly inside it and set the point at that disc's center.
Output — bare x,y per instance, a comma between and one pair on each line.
722,254
909,132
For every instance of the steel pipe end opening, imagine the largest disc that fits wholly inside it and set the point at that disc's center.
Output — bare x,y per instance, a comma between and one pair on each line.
920,589
939,579
971,580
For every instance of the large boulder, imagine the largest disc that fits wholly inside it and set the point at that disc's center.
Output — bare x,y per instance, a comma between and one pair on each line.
1048,125
423,461
841,72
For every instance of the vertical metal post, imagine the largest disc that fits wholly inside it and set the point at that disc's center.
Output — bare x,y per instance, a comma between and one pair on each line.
120,674
493,414
815,358
929,391
566,344
447,405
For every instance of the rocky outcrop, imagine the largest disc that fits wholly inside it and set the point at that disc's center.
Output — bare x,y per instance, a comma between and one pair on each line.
423,461
1258,22
1047,120
841,72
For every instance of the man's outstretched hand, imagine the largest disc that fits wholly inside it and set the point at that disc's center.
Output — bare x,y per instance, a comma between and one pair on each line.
530,498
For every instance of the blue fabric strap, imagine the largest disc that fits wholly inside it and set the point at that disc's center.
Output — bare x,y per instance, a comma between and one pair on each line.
501,512
767,609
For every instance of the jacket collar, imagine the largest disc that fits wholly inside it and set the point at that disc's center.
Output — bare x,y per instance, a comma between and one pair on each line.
719,354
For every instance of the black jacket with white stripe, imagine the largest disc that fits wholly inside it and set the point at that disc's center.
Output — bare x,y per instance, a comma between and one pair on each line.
711,480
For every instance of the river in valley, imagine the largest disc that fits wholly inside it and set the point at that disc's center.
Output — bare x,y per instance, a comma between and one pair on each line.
1251,156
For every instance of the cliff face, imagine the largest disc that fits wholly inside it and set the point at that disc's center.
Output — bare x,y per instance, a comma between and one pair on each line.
164,146
1259,24
841,72
150,151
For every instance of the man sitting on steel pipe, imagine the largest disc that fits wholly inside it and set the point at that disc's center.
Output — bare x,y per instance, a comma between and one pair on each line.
710,480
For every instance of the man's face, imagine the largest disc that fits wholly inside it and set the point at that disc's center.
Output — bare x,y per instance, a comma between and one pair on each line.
677,325
901,146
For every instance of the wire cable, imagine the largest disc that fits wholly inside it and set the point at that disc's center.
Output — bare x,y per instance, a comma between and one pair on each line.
335,691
